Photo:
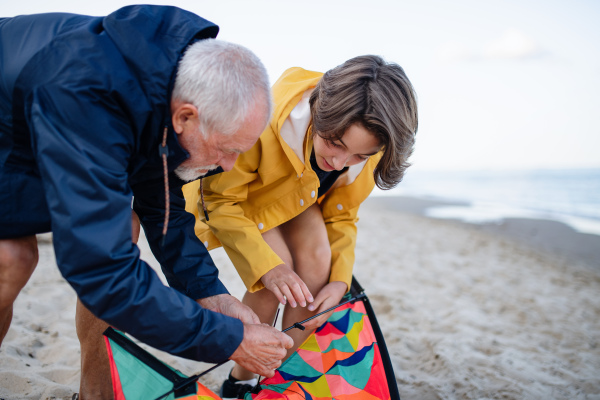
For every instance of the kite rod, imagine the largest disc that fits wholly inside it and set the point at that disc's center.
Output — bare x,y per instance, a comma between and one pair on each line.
301,327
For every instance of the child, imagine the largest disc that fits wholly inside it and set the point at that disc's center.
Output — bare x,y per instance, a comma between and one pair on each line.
286,212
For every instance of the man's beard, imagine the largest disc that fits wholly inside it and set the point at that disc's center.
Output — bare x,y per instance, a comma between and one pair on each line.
191,174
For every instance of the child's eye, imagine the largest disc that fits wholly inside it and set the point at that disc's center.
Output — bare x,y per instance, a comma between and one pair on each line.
332,143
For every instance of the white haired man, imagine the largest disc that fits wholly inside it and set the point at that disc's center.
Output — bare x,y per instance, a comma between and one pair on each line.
97,112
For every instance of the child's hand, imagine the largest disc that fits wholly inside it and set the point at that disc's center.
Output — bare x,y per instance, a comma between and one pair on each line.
285,284
328,297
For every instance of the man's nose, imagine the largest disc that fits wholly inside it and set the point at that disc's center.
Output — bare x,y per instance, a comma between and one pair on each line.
228,161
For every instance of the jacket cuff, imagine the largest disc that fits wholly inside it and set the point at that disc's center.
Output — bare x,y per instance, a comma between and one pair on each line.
233,336
196,292
345,275
253,281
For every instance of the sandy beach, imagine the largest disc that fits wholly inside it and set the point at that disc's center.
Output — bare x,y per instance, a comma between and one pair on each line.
496,311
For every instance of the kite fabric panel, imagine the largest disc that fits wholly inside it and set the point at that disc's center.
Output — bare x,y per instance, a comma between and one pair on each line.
138,375
344,359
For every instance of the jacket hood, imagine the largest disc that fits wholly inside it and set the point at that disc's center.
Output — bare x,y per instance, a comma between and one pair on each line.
128,58
144,38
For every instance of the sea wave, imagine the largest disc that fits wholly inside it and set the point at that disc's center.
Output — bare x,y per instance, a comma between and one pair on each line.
571,196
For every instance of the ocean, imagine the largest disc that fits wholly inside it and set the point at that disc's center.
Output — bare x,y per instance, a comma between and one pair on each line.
571,196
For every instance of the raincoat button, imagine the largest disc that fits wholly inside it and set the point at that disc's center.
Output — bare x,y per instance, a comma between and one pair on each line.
339,207
301,202
312,194
261,225
301,175
206,244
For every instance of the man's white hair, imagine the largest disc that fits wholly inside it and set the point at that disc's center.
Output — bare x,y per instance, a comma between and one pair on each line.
223,80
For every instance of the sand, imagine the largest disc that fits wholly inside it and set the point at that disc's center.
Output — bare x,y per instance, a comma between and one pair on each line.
508,311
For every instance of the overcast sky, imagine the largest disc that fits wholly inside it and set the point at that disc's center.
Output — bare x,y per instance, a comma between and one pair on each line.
501,84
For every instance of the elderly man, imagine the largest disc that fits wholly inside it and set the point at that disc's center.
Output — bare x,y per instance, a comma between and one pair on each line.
97,112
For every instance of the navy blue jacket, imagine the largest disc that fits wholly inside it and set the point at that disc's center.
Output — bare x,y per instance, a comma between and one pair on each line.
83,105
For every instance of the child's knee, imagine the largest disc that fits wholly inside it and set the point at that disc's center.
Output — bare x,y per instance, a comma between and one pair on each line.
322,256
315,262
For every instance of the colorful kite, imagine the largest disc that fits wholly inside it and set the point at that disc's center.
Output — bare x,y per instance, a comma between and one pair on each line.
344,359
138,375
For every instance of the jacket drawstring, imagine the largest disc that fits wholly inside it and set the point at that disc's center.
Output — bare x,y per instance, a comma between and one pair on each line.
202,198
163,150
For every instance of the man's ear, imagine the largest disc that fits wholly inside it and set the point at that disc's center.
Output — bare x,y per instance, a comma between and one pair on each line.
183,116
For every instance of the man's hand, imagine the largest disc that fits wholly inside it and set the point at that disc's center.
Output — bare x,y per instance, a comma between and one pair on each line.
262,349
284,283
229,305
329,296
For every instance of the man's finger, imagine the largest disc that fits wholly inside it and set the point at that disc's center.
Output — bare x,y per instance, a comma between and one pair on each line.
285,340
253,317
277,364
268,373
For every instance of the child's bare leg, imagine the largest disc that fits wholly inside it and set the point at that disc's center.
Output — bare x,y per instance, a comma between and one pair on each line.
303,245
307,241
264,303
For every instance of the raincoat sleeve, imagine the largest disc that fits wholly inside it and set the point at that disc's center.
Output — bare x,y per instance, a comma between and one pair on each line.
341,231
340,212
83,163
240,236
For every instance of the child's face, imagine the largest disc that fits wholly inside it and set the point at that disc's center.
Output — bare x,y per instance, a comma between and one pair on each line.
355,146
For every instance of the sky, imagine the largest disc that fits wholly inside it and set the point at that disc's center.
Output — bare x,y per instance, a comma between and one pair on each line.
500,84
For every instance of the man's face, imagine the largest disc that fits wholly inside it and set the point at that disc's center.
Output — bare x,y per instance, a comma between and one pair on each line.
216,150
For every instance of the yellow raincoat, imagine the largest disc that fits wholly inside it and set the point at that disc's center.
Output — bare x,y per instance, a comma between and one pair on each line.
272,183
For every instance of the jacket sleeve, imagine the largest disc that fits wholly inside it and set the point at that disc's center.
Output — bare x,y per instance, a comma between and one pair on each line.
240,237
185,261
341,231
340,212
82,147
